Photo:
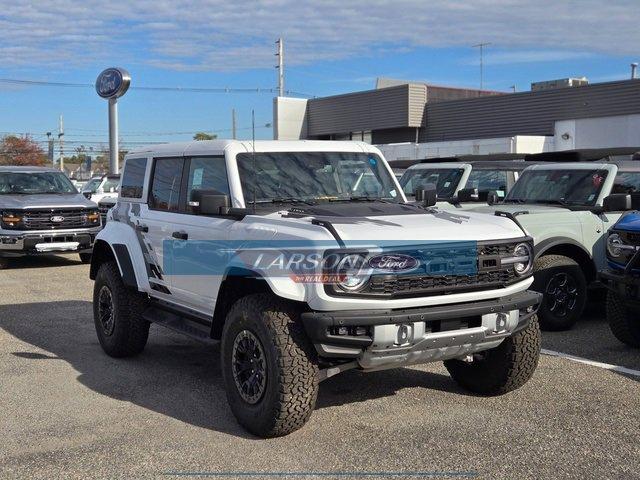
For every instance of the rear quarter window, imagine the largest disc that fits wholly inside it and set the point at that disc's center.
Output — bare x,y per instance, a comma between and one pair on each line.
133,178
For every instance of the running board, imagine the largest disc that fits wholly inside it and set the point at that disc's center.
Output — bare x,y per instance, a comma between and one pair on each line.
179,323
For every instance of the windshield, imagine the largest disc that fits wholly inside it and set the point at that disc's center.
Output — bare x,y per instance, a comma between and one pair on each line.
92,185
445,180
111,184
35,183
571,187
488,180
314,176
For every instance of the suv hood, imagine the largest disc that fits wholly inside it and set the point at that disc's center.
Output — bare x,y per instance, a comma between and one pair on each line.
519,208
60,200
405,224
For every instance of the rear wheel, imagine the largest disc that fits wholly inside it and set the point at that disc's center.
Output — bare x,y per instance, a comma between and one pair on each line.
502,369
624,325
117,314
4,262
269,366
85,257
561,280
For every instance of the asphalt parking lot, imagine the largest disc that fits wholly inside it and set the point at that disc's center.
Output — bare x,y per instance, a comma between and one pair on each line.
69,411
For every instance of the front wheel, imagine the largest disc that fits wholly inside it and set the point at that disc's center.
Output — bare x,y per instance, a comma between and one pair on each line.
502,369
624,325
564,287
117,314
269,366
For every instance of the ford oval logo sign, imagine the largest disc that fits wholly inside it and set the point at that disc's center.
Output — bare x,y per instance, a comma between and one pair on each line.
57,219
393,262
113,82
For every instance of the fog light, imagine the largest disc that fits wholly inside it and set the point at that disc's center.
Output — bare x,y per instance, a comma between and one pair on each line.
403,334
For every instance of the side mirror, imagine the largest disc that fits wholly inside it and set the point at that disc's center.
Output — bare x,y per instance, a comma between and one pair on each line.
210,202
468,195
493,198
429,197
617,202
87,195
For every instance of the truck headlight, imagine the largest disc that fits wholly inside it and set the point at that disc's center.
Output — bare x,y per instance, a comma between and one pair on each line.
614,245
523,259
353,271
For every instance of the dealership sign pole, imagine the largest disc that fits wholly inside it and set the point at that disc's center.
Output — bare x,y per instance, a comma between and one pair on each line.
111,84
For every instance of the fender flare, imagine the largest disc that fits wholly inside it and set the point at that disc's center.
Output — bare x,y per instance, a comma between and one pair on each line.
540,248
123,259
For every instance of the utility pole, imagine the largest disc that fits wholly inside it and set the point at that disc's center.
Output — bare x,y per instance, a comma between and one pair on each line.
481,47
233,123
61,142
280,66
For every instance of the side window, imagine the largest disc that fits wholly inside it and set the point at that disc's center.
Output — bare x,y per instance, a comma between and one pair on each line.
133,178
206,173
626,182
165,186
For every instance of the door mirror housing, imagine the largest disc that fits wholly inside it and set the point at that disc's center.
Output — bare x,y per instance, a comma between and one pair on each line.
617,202
210,202
87,195
493,198
468,195
429,197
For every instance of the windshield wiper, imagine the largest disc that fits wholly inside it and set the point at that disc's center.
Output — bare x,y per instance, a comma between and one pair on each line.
360,198
292,200
552,202
515,200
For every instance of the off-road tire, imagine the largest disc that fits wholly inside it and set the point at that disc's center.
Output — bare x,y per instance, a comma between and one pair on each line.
624,325
85,257
130,331
502,369
291,388
548,268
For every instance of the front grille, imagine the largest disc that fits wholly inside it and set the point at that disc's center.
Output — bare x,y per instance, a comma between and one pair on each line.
417,285
630,238
466,274
54,219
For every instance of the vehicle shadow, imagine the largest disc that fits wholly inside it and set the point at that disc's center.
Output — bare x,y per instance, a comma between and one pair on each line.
41,261
174,376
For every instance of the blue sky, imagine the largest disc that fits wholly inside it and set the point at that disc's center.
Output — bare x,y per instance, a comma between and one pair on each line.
331,47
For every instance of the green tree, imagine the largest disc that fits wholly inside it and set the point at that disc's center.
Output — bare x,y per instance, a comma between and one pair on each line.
205,136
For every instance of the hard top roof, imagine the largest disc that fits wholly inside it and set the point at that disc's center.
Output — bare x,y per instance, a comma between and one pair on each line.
26,169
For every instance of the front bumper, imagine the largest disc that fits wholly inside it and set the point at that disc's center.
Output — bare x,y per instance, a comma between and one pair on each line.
400,337
627,285
20,243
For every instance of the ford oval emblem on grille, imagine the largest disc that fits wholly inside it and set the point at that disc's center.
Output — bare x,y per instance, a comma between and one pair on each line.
57,219
393,262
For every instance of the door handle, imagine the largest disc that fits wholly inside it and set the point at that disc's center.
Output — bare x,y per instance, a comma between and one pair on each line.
180,235
142,228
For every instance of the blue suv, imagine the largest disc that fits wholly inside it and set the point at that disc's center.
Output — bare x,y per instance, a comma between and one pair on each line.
622,279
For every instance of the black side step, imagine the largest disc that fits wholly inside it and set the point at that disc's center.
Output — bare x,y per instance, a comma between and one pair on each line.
179,323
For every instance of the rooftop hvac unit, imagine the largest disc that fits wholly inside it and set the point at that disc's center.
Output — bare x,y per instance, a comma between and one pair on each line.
561,83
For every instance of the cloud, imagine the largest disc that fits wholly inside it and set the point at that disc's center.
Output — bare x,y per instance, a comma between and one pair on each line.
223,35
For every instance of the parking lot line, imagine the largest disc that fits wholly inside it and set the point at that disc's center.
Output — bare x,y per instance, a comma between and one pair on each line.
586,361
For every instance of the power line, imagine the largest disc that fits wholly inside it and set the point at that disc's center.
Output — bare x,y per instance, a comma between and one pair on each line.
42,83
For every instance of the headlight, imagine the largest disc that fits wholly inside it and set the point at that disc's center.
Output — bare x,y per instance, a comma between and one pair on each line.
353,271
11,219
615,245
522,259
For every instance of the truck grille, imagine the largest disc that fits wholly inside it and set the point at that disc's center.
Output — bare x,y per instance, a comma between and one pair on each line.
53,219
488,273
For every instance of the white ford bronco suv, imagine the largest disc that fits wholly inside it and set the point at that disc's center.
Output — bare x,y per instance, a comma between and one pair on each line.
567,208
42,213
305,261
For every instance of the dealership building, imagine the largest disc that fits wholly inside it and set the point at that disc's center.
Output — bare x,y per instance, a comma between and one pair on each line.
416,120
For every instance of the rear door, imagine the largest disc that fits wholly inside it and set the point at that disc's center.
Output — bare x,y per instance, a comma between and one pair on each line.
157,220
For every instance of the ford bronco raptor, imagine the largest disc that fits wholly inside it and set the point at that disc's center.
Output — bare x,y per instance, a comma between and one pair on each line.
304,259
567,209
622,279
43,213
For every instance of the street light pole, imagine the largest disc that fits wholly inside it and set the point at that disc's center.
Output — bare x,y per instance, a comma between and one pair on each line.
114,159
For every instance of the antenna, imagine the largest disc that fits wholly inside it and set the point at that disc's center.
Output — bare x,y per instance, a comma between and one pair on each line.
481,46
253,156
